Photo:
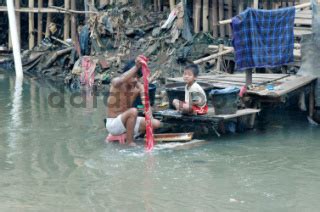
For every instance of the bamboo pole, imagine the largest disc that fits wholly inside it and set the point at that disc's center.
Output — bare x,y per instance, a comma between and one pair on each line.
15,40
155,5
221,17
214,16
229,2
31,25
18,20
159,5
40,5
66,29
73,21
205,14
50,3
196,16
172,4
213,56
297,7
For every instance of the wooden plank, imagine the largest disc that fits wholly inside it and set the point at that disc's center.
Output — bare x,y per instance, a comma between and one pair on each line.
288,85
243,112
300,21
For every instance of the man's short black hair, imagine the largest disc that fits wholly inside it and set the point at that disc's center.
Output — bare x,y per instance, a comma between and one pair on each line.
129,66
194,68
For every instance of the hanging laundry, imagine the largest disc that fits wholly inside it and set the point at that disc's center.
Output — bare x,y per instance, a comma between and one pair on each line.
263,38
147,110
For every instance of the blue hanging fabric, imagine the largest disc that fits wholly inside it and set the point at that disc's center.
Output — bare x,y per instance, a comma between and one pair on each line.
263,38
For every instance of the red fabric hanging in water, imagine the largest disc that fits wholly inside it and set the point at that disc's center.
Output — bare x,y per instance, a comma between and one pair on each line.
149,129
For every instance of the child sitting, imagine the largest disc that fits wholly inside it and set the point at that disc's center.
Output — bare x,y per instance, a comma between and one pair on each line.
195,97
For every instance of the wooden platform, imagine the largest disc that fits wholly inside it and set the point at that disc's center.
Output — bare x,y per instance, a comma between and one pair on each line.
210,116
282,83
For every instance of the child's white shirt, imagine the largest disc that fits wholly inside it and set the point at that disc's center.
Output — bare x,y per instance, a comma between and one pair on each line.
195,92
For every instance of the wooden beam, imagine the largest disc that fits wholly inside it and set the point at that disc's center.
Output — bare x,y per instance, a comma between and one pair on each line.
52,9
66,29
31,25
40,5
205,14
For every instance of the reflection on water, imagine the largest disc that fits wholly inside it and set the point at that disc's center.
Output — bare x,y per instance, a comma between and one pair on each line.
55,159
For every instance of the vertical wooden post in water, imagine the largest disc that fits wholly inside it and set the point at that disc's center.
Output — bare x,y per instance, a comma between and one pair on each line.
40,5
214,16
205,14
66,29
50,3
196,15
15,40
221,18
31,24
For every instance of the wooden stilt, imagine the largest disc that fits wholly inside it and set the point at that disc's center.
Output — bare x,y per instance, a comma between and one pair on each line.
66,30
31,25
49,15
214,16
229,16
40,5
221,17
196,16
73,21
311,100
205,14
18,19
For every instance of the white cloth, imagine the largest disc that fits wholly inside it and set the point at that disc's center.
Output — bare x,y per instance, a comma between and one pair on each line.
195,92
116,127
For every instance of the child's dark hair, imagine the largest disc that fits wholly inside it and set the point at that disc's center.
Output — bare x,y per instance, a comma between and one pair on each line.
194,68
129,65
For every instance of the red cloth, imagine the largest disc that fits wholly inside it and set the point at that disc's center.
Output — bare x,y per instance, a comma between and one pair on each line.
200,110
149,129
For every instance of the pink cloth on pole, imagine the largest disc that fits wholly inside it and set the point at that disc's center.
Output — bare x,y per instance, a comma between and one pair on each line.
149,129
